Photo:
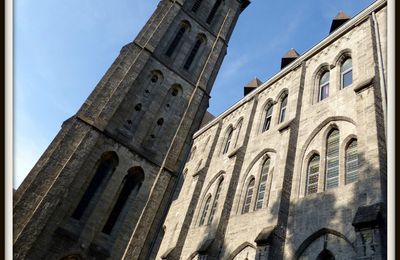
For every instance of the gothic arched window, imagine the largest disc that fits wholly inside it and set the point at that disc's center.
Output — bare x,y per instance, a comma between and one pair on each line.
268,118
215,203
205,210
213,11
282,112
175,42
332,160
346,73
351,162
131,183
106,166
263,184
249,196
228,141
324,86
193,53
312,175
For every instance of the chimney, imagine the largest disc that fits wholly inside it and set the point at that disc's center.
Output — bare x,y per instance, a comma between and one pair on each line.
289,57
252,85
339,20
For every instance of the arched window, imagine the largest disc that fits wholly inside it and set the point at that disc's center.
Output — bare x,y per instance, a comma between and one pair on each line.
175,42
312,175
228,141
352,162
263,184
238,129
196,5
157,128
215,203
106,166
324,86
171,99
248,197
213,11
346,73
205,210
131,183
156,77
282,113
332,160
193,54
268,118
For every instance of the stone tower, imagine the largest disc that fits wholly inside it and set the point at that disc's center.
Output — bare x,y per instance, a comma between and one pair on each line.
102,188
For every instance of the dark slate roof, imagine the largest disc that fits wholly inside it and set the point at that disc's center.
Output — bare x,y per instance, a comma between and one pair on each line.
338,21
368,216
254,83
292,53
208,117
341,16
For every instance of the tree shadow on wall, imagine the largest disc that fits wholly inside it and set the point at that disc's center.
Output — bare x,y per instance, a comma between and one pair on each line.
332,212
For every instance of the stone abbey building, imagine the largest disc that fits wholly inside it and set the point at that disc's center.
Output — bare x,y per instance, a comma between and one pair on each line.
294,170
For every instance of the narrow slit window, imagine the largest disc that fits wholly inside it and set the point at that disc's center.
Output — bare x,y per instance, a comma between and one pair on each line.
228,141
132,182
175,41
283,109
267,120
352,162
313,175
332,160
324,86
107,165
213,11
263,184
215,203
205,211
248,197
346,73
192,54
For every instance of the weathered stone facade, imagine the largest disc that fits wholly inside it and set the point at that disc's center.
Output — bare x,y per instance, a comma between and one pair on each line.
338,216
103,186
294,170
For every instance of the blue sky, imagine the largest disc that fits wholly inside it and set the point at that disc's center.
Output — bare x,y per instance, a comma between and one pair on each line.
63,48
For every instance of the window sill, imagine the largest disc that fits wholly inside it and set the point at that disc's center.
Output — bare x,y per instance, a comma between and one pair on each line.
364,84
234,152
285,125
198,172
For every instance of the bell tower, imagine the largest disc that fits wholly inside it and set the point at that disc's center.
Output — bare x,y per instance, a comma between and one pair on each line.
103,186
